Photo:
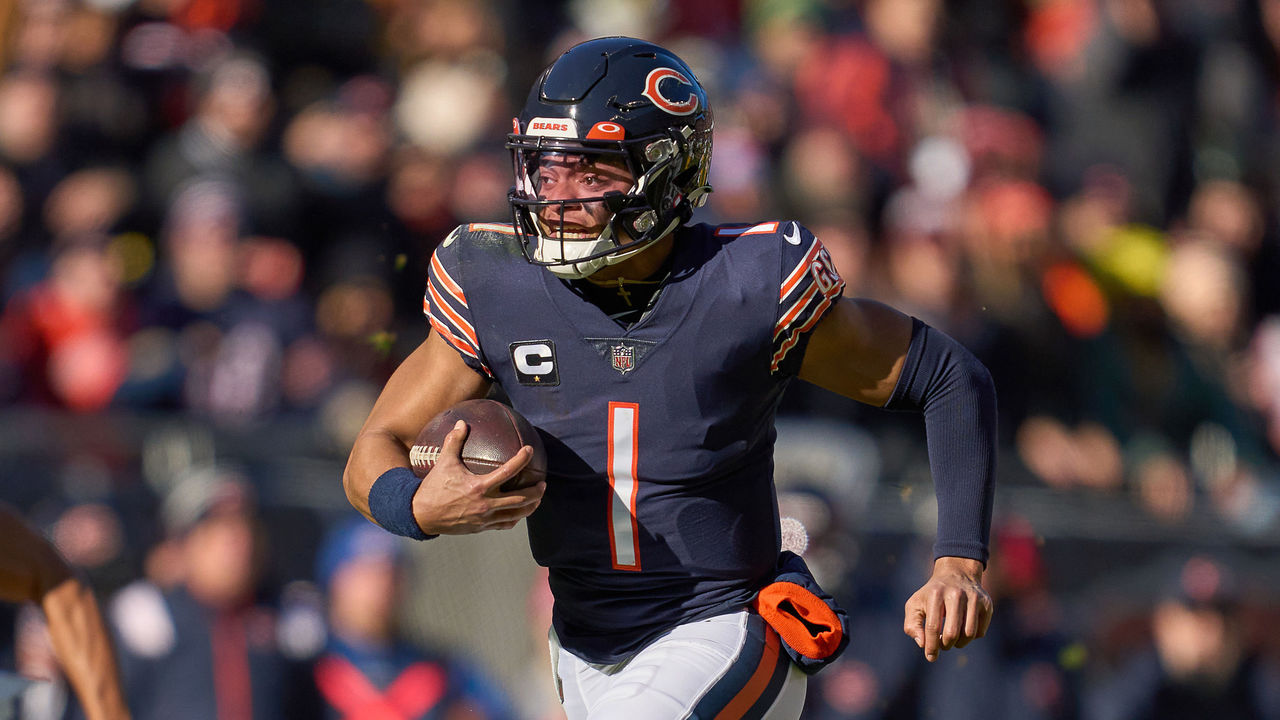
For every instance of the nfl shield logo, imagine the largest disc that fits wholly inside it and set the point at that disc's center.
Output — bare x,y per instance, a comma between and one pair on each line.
624,357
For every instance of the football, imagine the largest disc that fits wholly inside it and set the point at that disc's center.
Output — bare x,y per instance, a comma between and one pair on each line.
496,433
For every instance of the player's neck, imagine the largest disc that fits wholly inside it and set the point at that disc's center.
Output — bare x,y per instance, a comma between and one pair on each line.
640,266
627,291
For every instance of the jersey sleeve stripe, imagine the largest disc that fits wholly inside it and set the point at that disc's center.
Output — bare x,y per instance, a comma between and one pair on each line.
795,310
818,285
818,313
798,273
459,323
448,334
458,343
450,285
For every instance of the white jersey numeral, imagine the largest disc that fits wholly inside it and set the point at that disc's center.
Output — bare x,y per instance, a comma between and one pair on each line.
624,543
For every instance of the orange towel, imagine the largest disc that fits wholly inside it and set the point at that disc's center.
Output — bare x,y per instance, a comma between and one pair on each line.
804,621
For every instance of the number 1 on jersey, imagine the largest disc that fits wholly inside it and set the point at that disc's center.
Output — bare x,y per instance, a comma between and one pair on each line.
624,541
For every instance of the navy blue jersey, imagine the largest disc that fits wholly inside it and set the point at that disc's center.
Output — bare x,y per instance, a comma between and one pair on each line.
660,507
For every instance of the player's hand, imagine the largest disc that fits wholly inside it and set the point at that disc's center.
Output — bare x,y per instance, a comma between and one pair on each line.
452,500
951,609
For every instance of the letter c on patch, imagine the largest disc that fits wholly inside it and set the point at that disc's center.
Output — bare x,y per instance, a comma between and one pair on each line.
533,359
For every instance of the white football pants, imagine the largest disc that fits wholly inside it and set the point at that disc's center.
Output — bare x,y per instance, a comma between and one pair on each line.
729,667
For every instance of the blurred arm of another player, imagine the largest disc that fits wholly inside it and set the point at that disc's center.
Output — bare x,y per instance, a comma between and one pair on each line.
31,570
450,500
872,353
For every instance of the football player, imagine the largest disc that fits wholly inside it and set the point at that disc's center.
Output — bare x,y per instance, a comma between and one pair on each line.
652,353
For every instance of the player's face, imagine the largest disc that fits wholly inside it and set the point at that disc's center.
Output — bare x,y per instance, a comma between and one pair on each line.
566,177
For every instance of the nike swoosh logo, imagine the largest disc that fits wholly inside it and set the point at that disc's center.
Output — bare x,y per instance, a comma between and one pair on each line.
793,237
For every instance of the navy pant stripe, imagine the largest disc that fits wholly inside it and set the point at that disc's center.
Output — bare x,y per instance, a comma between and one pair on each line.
772,690
736,678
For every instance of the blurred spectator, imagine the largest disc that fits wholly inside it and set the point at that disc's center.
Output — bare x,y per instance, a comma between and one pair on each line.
366,668
224,138
63,339
205,648
1204,294
1064,457
341,146
1161,481
1202,662
28,121
1231,213
1137,378
221,311
202,233
89,201
822,173
417,191
443,29
846,239
92,537
444,108
29,127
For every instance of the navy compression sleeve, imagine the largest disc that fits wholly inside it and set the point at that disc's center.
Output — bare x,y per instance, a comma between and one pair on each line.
954,390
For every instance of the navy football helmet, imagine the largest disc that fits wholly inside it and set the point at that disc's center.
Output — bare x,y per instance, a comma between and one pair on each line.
613,99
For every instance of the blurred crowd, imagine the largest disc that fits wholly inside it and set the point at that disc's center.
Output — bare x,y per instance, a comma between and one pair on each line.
222,210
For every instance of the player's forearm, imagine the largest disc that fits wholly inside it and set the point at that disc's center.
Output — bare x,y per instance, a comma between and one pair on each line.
961,436
373,454
432,378
957,397
83,647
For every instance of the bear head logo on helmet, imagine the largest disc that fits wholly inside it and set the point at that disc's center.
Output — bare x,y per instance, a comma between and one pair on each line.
621,101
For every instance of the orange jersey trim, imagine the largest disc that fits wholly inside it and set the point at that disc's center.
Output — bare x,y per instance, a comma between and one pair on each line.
795,336
760,229
458,343
795,310
458,321
793,279
450,285
491,227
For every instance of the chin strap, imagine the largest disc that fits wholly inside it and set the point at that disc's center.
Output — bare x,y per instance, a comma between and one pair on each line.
631,252
698,197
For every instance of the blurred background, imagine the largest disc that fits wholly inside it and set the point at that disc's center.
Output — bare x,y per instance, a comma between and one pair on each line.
215,219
